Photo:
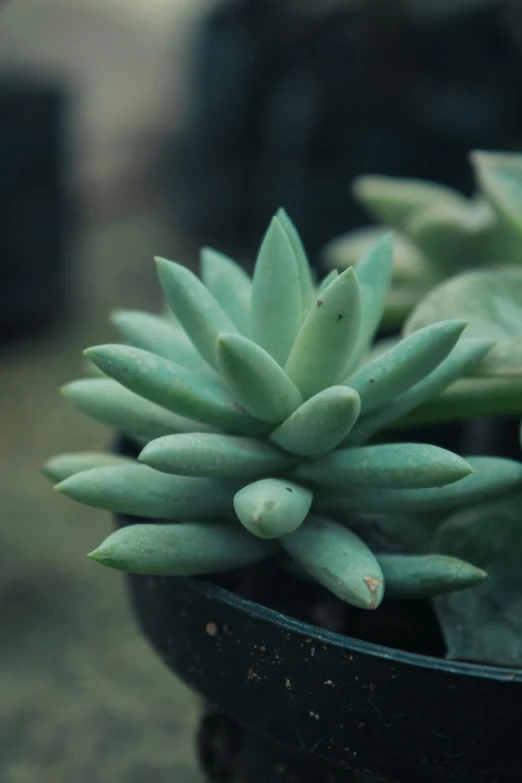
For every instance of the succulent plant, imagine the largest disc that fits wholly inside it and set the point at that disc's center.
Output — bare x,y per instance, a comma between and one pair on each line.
257,412
439,232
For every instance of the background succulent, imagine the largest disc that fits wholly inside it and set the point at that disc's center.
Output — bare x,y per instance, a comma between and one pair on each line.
439,232
257,410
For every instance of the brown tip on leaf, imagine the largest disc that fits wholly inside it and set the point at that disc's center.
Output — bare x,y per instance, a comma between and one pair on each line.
373,586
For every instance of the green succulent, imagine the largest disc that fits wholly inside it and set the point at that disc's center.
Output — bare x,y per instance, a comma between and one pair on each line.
439,232
257,410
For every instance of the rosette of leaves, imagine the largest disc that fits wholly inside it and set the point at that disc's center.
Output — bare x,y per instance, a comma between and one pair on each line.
257,412
439,232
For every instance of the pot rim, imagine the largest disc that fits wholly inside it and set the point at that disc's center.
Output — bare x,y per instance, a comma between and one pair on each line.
350,643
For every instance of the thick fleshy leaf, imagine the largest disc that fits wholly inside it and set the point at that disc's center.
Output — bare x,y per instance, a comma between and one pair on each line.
214,454
339,560
229,284
256,380
492,303
493,476
306,283
373,273
465,355
393,465
327,338
199,313
276,309
320,424
104,400
485,624
471,398
423,576
454,237
409,263
185,549
155,334
272,507
325,282
173,387
392,200
64,465
499,175
143,492
405,364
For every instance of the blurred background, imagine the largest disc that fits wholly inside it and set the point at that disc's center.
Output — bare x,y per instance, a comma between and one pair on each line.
134,128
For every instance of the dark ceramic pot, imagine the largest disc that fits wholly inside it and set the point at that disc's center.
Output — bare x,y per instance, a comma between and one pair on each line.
293,701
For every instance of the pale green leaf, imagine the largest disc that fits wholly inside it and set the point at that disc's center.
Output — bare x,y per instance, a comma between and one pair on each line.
320,424
276,310
104,400
272,507
485,624
410,265
499,175
155,334
465,355
229,284
256,380
492,303
325,282
423,576
405,364
64,465
173,387
393,465
493,476
392,200
373,273
327,338
339,560
143,492
185,549
200,315
306,283
214,454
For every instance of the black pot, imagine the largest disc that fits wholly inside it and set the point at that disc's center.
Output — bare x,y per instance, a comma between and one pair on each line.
323,706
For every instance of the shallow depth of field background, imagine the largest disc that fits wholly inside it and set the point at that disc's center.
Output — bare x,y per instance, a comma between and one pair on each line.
82,697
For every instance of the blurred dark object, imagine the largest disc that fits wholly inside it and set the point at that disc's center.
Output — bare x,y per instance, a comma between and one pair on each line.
288,108
33,206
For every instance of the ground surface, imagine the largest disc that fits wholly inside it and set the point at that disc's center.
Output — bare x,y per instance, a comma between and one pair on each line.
82,697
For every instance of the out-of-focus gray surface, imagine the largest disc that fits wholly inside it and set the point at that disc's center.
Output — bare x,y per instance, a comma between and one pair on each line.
82,697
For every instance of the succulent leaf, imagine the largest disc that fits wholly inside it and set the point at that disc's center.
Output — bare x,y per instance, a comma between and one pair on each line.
229,284
492,303
104,400
500,178
485,624
392,200
325,282
185,549
423,576
327,338
394,465
256,380
155,334
272,507
493,476
143,492
406,363
199,313
214,454
172,386
339,560
319,424
275,314
465,355
59,468
306,283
